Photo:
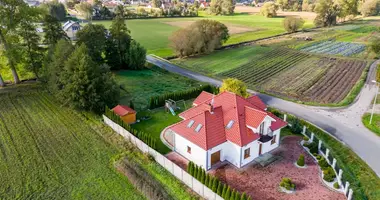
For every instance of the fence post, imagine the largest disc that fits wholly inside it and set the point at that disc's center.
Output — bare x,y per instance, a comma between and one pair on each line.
304,130
327,155
340,176
285,117
346,188
312,137
350,194
319,144
334,163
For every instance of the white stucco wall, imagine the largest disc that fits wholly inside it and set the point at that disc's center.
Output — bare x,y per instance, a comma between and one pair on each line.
198,155
268,146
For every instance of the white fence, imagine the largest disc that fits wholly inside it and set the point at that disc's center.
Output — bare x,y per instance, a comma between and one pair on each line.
174,169
339,172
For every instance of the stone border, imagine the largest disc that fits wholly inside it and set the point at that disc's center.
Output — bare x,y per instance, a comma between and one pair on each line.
284,190
300,167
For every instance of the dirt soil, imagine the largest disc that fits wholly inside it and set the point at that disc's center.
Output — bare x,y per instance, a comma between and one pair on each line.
262,182
232,28
250,9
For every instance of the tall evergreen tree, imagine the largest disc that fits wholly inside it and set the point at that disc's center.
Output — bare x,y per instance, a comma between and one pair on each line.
137,56
53,30
243,196
237,196
228,193
118,44
233,194
224,190
219,189
87,85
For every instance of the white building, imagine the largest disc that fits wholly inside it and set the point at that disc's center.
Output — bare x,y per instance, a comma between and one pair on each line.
226,127
71,28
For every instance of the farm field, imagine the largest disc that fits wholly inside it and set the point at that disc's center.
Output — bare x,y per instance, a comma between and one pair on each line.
153,34
140,85
286,73
51,152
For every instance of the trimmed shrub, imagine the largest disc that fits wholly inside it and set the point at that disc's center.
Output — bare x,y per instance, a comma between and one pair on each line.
224,190
243,196
199,174
287,184
313,147
237,196
323,163
219,189
336,185
203,177
228,193
301,160
305,138
214,184
190,168
233,193
207,179
329,174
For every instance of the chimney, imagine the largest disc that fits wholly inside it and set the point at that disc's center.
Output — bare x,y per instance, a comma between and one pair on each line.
211,109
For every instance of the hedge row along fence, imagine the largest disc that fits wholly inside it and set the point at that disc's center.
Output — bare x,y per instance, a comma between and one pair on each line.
159,100
363,180
214,183
146,138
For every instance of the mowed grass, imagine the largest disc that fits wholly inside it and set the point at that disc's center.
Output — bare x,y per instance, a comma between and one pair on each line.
154,34
140,85
375,125
51,152
158,120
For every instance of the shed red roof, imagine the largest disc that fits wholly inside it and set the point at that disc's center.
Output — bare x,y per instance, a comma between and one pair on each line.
122,110
228,121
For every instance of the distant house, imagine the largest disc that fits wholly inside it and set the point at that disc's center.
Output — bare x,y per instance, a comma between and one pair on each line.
226,127
32,3
204,5
127,114
71,28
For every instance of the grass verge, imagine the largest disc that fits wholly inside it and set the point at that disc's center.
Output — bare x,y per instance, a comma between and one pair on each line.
375,125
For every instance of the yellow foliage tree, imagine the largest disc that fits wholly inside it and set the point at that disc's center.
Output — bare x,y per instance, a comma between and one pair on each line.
234,85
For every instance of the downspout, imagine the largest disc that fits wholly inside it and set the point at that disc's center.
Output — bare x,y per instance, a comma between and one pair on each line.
241,148
206,160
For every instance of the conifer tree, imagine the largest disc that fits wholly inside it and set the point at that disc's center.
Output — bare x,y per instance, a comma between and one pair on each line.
195,171
227,195
203,176
233,193
237,196
243,196
249,198
199,173
214,185
224,190
219,189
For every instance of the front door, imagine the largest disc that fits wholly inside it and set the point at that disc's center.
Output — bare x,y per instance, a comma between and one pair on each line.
260,147
215,158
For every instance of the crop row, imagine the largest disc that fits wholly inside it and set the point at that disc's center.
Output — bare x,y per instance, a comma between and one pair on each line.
258,71
335,48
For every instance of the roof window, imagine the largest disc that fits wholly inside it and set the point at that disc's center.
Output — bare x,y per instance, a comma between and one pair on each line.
190,124
230,124
198,128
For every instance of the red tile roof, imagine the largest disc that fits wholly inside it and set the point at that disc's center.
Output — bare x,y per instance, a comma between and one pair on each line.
229,108
122,110
279,123
255,100
204,96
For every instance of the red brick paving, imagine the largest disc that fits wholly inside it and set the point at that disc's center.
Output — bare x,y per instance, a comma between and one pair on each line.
262,182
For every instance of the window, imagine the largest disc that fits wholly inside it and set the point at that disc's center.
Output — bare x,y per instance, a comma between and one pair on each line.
198,128
247,153
273,140
188,149
190,124
262,128
230,123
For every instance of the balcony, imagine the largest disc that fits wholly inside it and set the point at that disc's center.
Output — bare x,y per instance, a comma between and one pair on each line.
265,138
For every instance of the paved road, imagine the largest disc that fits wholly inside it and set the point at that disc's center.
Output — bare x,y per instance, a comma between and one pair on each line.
343,123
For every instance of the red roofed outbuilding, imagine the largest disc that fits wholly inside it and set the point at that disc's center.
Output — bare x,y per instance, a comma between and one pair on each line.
127,114
225,127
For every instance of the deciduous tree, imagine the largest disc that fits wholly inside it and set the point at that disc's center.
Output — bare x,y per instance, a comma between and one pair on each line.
327,12
375,46
55,9
234,85
269,9
137,56
94,37
85,10
292,24
370,8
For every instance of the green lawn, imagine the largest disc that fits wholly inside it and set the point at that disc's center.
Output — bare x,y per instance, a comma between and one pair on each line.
375,125
159,120
52,152
224,60
153,34
140,85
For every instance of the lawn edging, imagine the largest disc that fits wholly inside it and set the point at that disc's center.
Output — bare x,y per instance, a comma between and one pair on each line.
360,177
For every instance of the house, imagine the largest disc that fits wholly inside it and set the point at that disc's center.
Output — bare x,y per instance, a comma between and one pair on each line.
127,114
204,5
71,28
225,127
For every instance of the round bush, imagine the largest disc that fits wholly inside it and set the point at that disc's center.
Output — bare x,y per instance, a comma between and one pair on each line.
287,184
301,160
336,185
329,174
305,138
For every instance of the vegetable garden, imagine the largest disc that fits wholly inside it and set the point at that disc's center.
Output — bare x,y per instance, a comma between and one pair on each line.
335,48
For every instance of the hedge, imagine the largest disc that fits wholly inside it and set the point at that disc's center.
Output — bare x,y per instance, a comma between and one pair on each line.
159,100
146,138
214,183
